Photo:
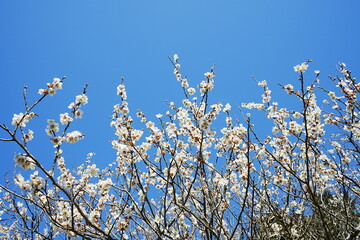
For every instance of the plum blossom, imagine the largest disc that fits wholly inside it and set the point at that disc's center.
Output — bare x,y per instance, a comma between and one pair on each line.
191,91
52,87
262,83
28,136
65,118
24,161
289,88
176,58
21,183
52,127
36,181
301,67
209,75
227,108
121,91
57,140
78,113
82,98
73,137
21,119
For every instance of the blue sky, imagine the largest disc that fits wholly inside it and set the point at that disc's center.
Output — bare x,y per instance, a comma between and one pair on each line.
97,42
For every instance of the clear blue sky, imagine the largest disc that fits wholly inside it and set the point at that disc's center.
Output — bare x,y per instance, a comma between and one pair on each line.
97,42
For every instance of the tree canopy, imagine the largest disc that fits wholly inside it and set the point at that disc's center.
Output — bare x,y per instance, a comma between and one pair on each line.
201,170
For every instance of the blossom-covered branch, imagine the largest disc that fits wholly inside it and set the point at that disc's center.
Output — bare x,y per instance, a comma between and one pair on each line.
194,172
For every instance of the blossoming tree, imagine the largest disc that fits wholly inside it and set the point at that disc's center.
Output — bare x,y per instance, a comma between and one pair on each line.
185,177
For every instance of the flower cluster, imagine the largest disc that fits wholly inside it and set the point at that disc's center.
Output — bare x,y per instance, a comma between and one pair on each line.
21,119
208,84
74,136
52,127
300,68
80,100
65,118
52,87
24,161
